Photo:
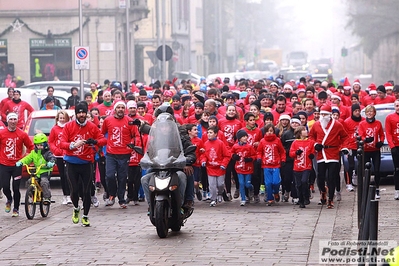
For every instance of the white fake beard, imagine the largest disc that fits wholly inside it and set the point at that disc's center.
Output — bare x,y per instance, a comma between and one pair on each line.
324,121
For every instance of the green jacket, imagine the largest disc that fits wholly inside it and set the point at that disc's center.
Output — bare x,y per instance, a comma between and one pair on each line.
38,159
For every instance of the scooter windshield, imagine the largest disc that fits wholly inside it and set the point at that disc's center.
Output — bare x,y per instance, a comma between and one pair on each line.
164,147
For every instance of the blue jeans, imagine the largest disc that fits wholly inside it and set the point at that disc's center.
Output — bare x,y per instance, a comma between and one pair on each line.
272,181
245,182
116,184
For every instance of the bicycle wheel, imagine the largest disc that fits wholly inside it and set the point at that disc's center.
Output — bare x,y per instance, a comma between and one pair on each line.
44,208
30,206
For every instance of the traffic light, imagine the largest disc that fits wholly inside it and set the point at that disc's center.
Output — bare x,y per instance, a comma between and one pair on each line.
344,52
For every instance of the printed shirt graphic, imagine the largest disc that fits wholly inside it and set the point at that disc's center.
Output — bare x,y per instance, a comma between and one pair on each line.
10,148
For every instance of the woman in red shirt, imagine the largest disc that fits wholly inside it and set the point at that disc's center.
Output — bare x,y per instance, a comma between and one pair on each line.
371,132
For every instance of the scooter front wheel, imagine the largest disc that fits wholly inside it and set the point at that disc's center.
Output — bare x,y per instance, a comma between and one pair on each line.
161,218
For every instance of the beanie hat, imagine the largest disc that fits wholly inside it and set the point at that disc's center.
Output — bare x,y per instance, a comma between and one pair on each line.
131,104
295,120
168,93
176,97
287,117
396,88
200,96
12,115
302,113
355,106
106,92
199,105
241,133
268,115
381,88
185,97
81,108
335,109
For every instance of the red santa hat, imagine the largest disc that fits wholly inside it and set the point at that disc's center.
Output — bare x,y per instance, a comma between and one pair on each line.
388,86
288,86
325,109
372,87
301,88
336,96
357,82
347,85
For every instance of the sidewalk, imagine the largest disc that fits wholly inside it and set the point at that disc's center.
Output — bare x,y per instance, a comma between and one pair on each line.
227,234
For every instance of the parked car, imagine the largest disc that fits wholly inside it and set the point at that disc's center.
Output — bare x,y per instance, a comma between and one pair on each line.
42,121
58,86
386,167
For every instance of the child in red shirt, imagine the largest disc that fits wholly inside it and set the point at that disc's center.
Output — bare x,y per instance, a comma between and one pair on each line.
302,150
215,159
271,153
244,154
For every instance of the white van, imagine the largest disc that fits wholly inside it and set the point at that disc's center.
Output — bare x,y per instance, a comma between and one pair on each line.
27,95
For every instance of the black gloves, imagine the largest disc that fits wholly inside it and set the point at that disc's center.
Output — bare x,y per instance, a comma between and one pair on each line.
379,144
136,122
91,141
248,159
318,147
298,152
311,156
369,139
235,157
345,152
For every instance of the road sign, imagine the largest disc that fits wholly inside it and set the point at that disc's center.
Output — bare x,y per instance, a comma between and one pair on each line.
168,53
82,59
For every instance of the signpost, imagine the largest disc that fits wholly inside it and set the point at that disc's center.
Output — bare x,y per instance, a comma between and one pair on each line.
82,59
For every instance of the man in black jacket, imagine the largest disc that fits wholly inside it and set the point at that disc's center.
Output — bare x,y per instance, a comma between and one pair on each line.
74,99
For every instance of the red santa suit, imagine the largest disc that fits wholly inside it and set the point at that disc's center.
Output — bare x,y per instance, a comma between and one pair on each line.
331,138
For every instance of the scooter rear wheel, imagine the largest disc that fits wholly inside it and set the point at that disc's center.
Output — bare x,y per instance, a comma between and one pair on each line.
161,218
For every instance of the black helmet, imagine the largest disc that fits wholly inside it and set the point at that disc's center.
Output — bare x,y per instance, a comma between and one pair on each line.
164,109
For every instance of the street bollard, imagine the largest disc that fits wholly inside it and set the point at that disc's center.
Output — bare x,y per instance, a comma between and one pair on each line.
360,158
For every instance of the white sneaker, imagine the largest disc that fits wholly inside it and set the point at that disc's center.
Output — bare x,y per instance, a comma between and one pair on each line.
95,201
69,201
213,203
350,188
64,200
397,194
220,198
338,195
242,203
377,194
